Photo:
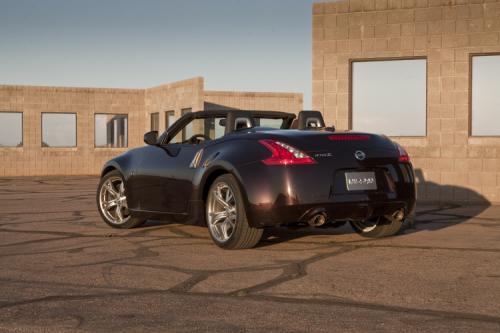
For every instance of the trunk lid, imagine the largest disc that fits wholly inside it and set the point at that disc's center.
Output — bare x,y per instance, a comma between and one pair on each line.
343,157
344,149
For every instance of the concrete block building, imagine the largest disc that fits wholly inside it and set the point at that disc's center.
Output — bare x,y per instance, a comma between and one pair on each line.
425,72
73,131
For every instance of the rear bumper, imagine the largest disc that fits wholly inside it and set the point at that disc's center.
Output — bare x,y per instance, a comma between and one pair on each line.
261,217
282,195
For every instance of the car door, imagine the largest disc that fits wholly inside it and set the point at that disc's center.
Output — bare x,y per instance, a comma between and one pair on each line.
163,179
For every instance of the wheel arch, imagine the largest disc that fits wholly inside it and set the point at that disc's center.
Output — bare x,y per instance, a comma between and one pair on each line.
209,180
110,166
107,170
216,171
211,175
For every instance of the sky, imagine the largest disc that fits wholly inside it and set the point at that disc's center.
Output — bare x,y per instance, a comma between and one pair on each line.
247,45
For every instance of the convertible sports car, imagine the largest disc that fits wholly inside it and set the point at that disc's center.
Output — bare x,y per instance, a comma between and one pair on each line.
239,172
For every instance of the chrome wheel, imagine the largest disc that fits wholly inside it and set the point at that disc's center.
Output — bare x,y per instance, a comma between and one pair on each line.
221,212
366,225
113,201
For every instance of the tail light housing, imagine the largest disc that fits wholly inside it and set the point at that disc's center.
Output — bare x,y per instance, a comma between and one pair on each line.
403,156
284,154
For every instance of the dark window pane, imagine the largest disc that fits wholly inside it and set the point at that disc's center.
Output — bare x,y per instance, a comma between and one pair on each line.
11,129
155,121
58,129
111,130
169,118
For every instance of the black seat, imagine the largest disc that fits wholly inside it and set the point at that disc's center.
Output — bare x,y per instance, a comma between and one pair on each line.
310,120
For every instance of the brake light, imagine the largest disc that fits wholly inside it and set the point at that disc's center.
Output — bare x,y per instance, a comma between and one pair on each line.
349,137
283,154
403,155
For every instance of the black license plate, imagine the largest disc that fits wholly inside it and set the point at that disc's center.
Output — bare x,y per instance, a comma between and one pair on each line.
359,181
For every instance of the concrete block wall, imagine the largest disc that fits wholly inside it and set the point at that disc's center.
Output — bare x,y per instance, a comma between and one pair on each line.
173,97
84,159
453,166
34,160
290,102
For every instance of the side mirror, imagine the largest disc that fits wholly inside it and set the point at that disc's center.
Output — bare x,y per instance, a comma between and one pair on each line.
222,122
151,138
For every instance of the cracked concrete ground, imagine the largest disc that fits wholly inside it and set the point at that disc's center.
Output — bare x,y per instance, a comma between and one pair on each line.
63,269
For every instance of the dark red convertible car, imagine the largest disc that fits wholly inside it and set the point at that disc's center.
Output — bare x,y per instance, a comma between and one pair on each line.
239,172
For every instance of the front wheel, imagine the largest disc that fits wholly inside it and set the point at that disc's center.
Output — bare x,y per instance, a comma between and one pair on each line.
112,202
376,227
226,216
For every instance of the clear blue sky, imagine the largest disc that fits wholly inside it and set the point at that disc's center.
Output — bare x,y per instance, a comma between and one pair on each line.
256,45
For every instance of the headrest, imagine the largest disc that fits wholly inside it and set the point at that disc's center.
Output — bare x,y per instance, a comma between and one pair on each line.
310,119
237,120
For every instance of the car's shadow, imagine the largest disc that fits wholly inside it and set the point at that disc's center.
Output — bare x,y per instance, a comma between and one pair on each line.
435,211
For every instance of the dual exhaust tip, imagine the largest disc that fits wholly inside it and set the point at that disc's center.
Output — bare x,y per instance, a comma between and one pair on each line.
317,220
320,219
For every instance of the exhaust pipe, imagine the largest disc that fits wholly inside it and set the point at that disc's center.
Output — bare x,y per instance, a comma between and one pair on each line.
317,220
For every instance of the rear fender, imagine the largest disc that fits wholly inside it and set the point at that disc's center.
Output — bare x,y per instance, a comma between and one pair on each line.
208,172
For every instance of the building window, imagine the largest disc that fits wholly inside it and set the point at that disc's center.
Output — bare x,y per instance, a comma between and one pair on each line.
111,130
187,132
155,121
58,129
11,129
485,97
169,118
389,96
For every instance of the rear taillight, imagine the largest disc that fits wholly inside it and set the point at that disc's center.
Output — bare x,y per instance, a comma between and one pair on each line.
403,156
349,137
284,154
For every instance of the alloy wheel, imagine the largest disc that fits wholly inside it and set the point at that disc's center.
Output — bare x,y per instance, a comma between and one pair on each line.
221,212
367,225
113,201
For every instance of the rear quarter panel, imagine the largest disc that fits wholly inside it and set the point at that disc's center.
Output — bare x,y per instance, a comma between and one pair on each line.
277,193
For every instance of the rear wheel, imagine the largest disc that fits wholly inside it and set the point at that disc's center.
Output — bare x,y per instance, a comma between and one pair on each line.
226,216
112,202
376,227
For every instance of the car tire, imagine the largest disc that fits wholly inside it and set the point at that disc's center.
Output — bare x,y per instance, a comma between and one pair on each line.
227,221
382,226
112,202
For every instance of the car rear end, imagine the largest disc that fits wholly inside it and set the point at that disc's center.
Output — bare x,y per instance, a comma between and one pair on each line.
313,175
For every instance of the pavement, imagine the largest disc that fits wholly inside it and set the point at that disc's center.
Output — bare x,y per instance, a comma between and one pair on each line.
64,270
